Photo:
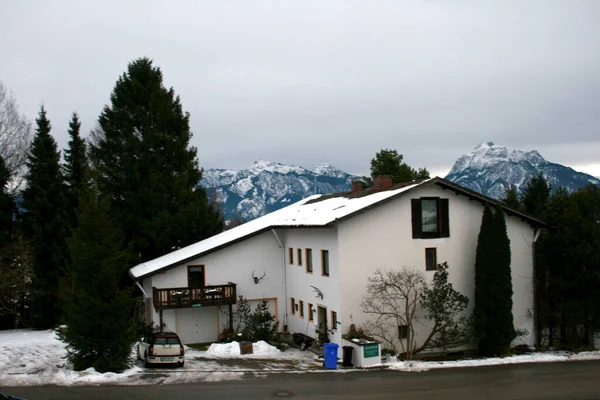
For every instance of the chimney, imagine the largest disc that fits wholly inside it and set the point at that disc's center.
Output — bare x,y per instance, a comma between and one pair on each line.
357,186
382,182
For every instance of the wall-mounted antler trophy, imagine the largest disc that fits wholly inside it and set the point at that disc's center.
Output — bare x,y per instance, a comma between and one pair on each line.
256,278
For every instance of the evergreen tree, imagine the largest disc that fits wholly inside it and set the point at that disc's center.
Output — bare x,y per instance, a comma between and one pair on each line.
535,196
570,254
511,198
500,322
75,167
263,324
99,328
484,266
44,224
147,167
7,206
493,319
389,163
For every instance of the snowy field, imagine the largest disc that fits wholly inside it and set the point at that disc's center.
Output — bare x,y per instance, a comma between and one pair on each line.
29,358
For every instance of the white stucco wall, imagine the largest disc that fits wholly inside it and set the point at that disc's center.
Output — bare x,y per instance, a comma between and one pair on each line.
382,238
236,263
299,282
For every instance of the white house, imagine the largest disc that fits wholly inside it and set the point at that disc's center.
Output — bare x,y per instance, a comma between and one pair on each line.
311,260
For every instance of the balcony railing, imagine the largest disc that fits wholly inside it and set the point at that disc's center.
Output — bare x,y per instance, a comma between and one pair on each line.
185,297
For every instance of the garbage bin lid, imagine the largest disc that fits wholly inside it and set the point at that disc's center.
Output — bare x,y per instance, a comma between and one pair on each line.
331,345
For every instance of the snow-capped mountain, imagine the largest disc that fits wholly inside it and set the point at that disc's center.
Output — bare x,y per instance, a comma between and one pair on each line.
491,169
267,186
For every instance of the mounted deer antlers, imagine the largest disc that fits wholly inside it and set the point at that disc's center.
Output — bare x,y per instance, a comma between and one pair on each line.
256,278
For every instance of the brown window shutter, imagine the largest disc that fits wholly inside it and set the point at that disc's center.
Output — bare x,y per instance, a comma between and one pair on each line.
417,224
444,218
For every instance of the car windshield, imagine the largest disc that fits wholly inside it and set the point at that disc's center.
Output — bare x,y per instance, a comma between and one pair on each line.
166,340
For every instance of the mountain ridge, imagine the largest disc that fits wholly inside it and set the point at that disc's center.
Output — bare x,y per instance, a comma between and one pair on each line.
267,186
491,169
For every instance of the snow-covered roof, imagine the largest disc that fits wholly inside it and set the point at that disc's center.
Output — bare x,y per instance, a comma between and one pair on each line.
313,211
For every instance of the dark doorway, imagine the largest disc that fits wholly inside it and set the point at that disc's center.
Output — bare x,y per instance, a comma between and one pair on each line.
322,321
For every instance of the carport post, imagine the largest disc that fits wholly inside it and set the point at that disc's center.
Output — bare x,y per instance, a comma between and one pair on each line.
230,318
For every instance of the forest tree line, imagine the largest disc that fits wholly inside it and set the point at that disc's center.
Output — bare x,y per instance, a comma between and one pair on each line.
567,261
71,228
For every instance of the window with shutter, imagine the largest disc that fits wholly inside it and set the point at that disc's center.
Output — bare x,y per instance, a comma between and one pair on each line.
430,218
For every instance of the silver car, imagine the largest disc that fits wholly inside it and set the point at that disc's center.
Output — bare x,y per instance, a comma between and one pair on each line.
161,348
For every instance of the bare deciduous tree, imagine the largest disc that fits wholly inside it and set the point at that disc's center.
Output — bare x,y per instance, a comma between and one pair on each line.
15,137
399,299
394,300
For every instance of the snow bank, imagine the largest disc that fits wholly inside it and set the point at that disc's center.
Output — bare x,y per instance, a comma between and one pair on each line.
418,366
224,349
260,348
263,348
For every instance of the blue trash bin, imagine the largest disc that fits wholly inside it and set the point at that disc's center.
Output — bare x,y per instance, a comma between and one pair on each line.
330,351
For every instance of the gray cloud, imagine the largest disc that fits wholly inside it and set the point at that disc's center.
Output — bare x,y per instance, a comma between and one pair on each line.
335,81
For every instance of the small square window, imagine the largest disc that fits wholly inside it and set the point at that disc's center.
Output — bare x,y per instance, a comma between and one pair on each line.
325,262
301,306
309,265
430,259
299,256
291,255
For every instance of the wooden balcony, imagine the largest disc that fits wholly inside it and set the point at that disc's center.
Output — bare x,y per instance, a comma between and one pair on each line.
186,297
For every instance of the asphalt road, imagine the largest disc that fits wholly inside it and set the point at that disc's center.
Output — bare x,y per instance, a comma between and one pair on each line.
567,380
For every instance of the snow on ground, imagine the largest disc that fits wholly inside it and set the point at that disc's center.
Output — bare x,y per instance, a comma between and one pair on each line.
558,356
29,358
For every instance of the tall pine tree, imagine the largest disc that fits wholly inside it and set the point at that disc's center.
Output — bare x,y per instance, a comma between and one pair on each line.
511,198
7,206
44,224
75,168
484,265
493,319
147,167
536,195
99,331
501,321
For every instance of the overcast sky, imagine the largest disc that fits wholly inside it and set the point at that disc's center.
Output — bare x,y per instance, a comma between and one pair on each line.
303,82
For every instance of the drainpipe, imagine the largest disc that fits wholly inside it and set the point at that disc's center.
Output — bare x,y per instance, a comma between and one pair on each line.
536,318
285,315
